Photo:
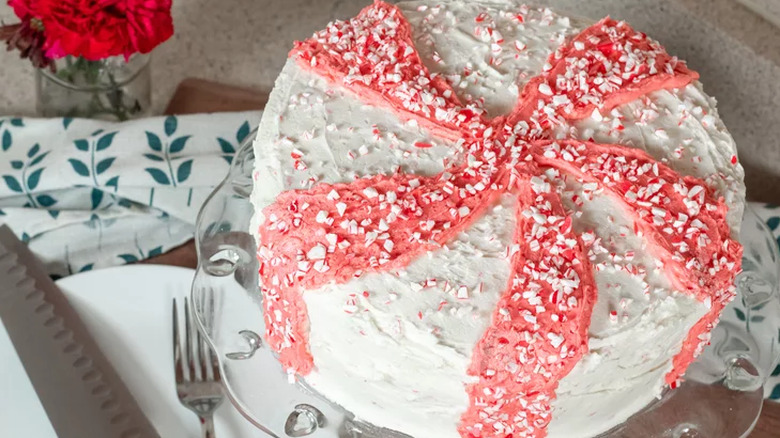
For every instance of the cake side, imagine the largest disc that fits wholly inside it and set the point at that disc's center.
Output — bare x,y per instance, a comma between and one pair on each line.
333,136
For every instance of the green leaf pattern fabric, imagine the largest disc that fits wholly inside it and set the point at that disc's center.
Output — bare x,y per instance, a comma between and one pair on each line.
89,194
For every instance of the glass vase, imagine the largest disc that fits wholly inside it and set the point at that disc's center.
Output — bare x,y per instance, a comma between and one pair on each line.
109,89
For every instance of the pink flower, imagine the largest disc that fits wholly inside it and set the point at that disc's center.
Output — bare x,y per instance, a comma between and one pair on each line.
97,29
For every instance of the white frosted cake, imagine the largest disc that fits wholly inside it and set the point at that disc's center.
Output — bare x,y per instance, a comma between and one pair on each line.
484,219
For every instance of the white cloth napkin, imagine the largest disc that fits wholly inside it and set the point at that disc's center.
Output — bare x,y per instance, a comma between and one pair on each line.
89,194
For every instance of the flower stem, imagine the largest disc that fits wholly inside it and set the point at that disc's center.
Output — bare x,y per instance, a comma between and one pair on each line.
107,98
115,97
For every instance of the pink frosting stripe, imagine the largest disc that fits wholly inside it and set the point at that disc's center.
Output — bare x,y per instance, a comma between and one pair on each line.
384,68
606,65
683,223
540,326
334,232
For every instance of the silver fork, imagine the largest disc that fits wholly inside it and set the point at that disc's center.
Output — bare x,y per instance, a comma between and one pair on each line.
198,380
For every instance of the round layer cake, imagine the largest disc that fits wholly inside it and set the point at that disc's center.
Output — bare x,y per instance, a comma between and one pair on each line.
484,219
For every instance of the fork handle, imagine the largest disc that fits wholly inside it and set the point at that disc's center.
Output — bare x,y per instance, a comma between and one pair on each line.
207,427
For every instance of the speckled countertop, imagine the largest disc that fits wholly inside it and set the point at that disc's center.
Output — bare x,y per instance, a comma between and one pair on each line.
245,42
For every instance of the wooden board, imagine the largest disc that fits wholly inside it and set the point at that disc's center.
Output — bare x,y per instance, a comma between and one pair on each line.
768,425
194,96
200,96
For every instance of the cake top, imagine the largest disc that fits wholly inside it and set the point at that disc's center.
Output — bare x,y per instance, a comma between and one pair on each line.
335,232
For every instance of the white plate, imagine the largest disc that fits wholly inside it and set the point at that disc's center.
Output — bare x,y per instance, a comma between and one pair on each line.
128,311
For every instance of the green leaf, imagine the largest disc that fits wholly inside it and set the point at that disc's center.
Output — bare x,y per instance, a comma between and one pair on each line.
93,221
226,146
128,258
740,314
2,213
178,144
773,222
17,122
45,200
86,268
775,393
104,165
126,203
34,179
154,157
98,132
33,150
79,167
82,144
776,371
39,158
113,182
158,176
155,251
25,237
12,183
228,158
53,213
243,131
7,140
183,172
154,141
757,318
97,198
16,164
66,122
105,141
170,125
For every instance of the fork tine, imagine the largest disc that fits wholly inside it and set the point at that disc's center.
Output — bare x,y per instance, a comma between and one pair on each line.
198,352
177,361
203,350
213,304
217,376
192,354
200,346
208,366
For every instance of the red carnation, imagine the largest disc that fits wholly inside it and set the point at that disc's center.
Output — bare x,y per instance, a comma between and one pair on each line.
97,29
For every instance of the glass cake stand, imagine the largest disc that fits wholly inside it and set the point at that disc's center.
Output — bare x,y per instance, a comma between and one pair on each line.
721,396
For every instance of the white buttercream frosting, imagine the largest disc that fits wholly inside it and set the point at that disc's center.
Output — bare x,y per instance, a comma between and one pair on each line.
394,347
